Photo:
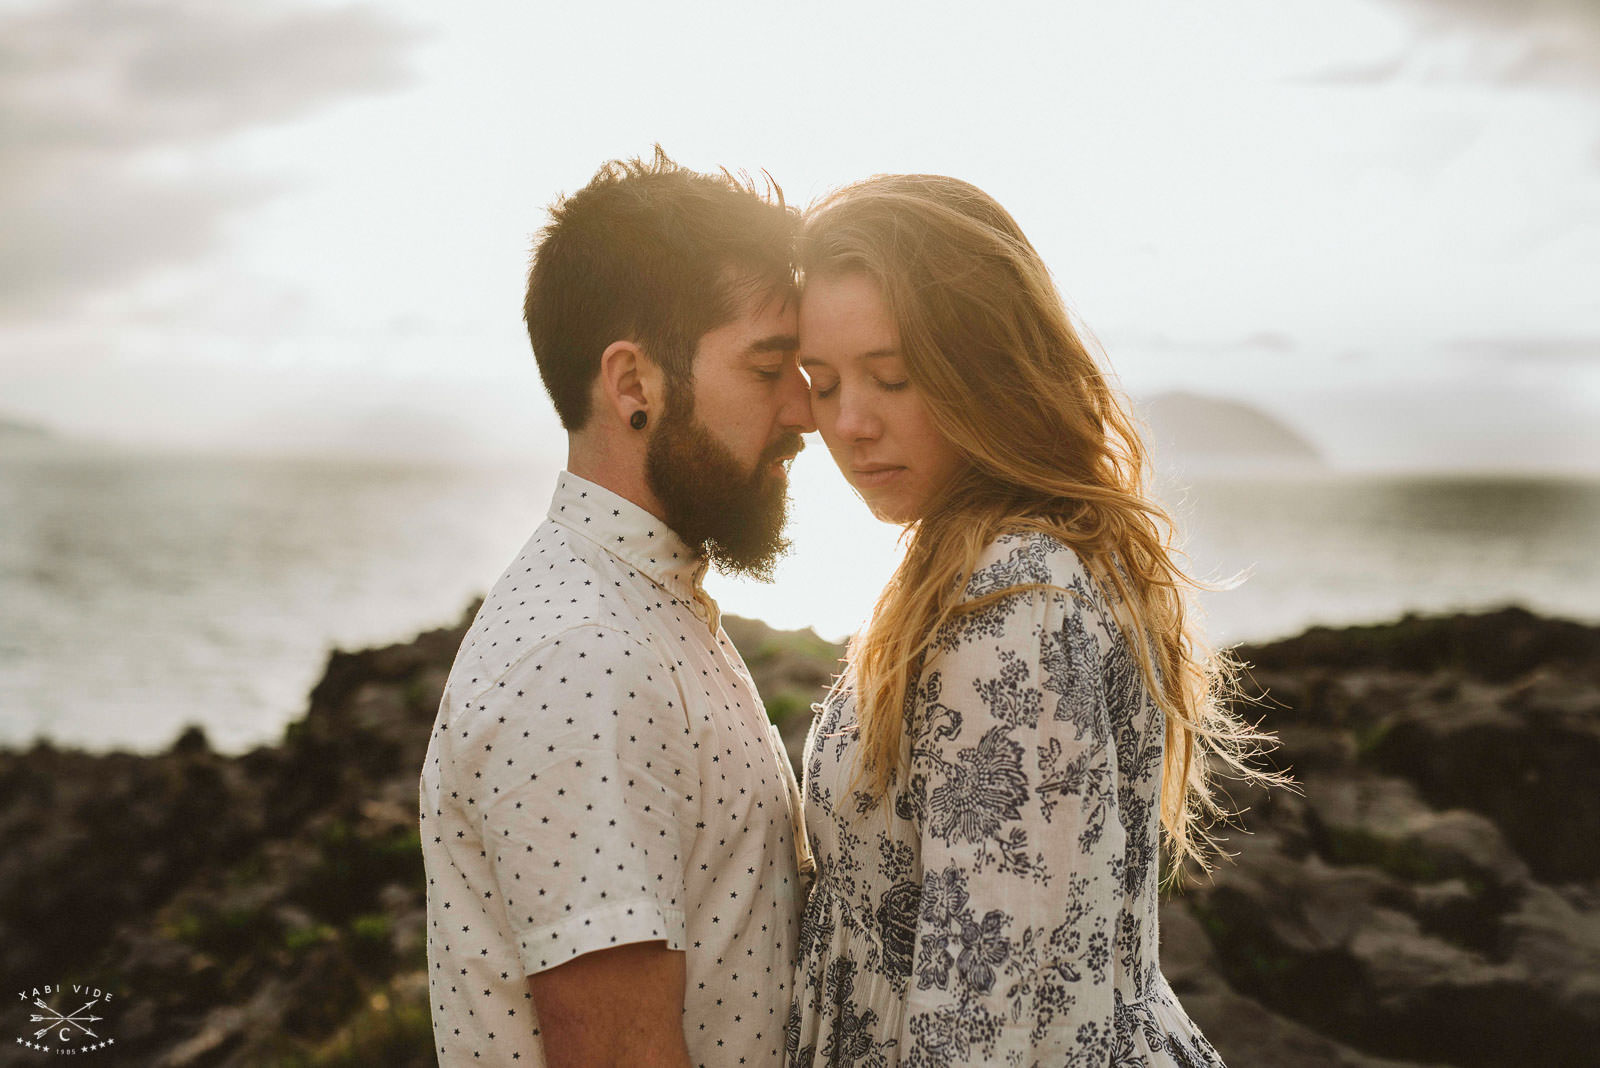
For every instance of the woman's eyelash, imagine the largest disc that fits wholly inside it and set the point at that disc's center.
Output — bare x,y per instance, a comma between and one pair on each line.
887,387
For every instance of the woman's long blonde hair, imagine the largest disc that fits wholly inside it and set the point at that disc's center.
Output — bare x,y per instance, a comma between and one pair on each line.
1049,447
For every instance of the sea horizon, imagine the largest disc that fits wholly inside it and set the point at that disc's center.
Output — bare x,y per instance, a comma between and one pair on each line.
148,589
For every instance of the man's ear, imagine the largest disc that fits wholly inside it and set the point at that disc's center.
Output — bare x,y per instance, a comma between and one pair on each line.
630,382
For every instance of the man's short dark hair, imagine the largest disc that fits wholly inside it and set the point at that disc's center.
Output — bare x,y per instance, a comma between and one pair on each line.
654,253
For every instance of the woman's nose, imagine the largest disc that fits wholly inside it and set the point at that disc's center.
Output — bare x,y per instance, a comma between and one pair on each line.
857,419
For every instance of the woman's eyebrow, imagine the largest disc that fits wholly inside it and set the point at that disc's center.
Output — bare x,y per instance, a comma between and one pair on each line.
875,354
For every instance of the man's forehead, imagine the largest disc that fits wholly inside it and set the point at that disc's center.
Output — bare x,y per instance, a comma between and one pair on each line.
773,327
768,322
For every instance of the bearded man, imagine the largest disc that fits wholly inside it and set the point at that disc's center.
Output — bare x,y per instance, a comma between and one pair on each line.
608,822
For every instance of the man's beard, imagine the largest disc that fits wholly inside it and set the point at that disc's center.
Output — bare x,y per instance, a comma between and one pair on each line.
734,516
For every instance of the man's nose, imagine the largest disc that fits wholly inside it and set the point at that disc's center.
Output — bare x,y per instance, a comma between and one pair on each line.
796,414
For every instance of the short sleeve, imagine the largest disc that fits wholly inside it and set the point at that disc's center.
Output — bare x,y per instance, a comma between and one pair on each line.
580,764
1013,780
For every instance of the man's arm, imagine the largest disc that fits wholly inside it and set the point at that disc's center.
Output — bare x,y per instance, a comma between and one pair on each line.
613,1007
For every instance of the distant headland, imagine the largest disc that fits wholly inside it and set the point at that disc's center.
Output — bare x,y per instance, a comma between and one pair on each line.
1201,433
14,429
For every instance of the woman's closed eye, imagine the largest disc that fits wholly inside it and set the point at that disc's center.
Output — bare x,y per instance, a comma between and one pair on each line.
822,389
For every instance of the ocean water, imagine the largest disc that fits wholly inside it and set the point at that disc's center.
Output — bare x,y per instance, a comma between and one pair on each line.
1343,549
143,592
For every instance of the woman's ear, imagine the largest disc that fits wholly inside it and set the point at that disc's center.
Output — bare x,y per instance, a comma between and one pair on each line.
630,384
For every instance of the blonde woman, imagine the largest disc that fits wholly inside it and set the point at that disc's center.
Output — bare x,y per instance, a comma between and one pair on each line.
1030,711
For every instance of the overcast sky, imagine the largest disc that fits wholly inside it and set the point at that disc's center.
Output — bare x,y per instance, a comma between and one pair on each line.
305,225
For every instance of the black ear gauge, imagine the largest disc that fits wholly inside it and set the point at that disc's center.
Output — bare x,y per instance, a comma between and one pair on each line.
638,419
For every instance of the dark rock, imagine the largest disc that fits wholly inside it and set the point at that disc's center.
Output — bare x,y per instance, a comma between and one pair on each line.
1495,646
791,669
1523,763
1431,897
1445,910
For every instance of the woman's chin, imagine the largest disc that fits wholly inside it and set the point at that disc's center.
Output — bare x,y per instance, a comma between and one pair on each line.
886,505
889,511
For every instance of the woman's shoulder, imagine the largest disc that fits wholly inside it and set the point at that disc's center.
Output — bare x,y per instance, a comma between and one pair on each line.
1023,559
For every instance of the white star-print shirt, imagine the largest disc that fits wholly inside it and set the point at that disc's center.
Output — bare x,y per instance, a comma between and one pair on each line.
602,772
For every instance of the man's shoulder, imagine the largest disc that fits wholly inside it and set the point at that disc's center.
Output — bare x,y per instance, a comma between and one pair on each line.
584,685
557,595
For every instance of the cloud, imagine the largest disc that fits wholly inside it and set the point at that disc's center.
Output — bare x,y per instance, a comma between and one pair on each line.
1506,42
1273,341
92,92
1372,72
1270,342
73,230
1550,349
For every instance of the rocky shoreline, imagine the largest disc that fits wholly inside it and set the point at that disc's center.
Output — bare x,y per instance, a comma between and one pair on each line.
1430,897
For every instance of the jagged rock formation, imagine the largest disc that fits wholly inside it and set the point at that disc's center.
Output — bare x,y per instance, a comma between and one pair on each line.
267,908
1432,897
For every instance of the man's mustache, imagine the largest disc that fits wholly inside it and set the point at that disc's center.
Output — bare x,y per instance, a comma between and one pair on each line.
784,448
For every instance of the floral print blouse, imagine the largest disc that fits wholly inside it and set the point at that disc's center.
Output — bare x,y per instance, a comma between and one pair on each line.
1001,907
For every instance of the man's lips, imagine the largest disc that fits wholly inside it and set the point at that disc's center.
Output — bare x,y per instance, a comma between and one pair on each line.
783,452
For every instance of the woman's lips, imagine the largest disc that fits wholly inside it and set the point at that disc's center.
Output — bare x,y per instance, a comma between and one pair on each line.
875,475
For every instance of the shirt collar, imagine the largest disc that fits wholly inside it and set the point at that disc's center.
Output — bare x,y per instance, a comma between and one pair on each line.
637,538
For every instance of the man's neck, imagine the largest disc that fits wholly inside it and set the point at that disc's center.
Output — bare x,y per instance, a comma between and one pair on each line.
622,475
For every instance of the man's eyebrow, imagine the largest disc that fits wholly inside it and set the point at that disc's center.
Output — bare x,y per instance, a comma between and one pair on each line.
776,343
